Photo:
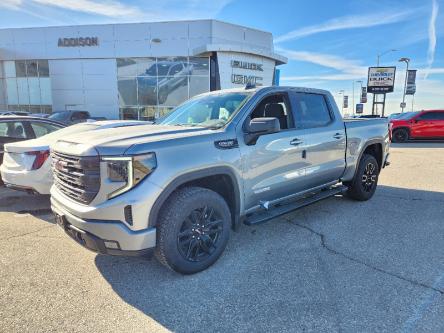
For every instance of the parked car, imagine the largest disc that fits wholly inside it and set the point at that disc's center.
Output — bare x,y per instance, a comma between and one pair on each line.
424,125
27,165
73,117
19,128
178,186
163,78
14,113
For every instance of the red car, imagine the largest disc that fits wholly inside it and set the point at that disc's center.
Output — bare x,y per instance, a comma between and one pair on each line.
426,124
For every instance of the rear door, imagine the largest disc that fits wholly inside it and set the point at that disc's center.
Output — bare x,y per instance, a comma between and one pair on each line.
325,153
437,124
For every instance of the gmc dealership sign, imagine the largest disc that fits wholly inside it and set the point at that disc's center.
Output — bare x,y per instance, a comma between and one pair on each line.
381,80
78,41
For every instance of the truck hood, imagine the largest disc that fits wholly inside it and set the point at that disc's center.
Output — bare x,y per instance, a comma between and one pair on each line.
117,141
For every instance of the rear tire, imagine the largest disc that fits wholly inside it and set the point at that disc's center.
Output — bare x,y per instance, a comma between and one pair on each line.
400,135
363,186
192,230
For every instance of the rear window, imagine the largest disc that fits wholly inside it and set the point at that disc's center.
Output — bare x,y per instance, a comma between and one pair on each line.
311,110
12,129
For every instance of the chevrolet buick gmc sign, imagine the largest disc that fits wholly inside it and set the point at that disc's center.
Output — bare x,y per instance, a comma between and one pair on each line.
78,41
381,80
245,79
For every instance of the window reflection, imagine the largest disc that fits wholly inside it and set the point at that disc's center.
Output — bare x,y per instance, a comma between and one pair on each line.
127,88
159,84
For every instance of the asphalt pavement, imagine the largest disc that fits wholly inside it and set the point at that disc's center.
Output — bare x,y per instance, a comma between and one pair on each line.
335,266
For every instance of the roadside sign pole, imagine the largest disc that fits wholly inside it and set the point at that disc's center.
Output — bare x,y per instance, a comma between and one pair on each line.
376,102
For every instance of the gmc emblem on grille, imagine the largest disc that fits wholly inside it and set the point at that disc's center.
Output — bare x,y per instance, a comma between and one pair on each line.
59,165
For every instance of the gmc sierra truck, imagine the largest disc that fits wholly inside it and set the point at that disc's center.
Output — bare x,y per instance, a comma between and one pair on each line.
178,187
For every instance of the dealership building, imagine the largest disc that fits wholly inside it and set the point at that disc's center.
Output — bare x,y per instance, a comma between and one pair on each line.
133,71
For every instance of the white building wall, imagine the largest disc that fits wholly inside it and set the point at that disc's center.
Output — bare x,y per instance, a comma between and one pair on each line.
85,84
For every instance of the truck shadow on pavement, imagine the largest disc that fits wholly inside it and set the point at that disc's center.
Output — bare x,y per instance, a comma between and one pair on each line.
333,266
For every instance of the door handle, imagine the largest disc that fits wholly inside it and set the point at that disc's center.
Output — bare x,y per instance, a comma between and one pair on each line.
296,142
338,136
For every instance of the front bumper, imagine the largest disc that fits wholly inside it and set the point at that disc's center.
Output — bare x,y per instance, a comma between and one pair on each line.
105,236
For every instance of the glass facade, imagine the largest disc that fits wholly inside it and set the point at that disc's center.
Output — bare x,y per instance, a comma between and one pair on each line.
151,87
25,86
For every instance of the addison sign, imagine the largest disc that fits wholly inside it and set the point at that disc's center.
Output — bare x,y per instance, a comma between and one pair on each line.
78,41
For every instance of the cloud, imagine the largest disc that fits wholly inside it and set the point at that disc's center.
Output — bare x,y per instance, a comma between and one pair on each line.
432,35
347,22
159,10
104,8
350,69
11,4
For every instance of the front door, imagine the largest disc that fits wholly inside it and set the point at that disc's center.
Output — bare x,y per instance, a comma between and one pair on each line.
274,166
326,143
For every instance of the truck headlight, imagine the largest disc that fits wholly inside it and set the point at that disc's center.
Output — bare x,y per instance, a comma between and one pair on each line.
128,170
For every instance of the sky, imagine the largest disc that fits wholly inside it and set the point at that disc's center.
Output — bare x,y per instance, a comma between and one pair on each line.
329,44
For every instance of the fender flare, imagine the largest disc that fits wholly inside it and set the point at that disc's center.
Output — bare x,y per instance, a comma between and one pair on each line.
368,144
195,175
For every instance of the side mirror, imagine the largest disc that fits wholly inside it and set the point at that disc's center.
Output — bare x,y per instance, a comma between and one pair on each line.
261,126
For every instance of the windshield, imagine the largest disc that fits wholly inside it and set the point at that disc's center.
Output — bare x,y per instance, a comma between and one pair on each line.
407,115
160,69
57,116
212,111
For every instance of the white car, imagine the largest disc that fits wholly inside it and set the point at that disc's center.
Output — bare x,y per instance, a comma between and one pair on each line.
27,164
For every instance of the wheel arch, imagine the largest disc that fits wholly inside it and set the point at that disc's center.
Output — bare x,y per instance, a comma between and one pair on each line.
374,148
221,180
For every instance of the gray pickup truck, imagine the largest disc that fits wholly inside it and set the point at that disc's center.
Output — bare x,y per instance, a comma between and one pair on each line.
178,187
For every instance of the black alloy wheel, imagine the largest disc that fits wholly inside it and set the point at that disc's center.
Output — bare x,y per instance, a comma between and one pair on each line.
192,230
400,135
200,233
369,177
365,181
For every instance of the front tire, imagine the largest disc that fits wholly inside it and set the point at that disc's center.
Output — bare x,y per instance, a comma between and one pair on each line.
193,230
363,186
400,135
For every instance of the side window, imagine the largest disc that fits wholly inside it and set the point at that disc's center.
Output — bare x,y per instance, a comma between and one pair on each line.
311,110
41,129
276,106
432,116
176,69
12,129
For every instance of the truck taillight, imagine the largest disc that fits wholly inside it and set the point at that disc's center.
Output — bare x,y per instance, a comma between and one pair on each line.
40,157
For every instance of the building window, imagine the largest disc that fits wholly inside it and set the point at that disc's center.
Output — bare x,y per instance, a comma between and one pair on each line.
25,86
150,88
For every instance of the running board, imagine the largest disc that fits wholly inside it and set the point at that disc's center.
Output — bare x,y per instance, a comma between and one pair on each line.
278,210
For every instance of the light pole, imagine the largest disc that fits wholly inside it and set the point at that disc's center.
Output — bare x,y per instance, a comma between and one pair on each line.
406,60
383,53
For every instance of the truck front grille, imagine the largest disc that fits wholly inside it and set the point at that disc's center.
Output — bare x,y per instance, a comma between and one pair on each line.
77,177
